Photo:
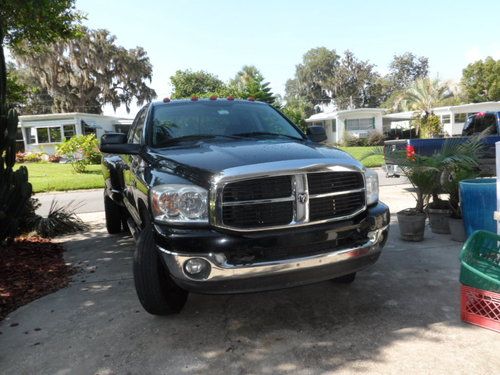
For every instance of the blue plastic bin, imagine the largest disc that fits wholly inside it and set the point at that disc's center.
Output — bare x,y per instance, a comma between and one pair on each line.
478,199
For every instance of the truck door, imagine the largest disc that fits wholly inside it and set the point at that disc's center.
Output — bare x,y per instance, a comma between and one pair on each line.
134,166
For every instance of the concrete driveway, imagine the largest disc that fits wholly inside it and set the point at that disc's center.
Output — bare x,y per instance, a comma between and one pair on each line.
400,316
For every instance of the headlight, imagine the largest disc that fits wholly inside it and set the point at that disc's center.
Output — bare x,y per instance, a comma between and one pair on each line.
178,203
371,178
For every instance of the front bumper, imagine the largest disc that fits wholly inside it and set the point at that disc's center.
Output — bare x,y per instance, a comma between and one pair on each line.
225,276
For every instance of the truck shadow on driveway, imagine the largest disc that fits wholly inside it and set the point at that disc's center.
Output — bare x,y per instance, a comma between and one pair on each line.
402,314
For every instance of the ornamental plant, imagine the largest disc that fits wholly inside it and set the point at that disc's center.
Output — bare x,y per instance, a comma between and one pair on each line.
80,151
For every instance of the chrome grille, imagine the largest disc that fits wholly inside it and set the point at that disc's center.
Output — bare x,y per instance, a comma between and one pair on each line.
294,199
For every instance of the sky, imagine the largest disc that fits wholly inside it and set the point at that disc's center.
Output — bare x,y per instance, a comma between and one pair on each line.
221,36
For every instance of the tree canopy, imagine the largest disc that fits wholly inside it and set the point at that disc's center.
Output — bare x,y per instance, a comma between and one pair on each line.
33,22
405,69
325,76
481,80
249,82
85,73
187,83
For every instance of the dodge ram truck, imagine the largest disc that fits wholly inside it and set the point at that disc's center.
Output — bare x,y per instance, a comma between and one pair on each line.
229,196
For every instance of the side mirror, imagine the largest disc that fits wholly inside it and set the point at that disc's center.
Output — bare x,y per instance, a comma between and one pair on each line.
116,143
316,133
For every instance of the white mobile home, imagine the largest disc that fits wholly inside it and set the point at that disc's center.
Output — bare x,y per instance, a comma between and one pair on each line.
42,133
358,123
452,117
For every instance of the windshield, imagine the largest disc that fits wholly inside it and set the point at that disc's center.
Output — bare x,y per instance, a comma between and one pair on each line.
480,122
175,122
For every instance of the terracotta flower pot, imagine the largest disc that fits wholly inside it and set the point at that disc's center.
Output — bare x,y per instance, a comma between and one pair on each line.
411,225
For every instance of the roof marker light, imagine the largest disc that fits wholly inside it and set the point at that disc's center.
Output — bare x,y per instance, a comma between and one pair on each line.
230,97
251,98
166,100
213,97
194,98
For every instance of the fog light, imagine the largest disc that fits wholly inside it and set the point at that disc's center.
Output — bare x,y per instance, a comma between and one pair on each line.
197,268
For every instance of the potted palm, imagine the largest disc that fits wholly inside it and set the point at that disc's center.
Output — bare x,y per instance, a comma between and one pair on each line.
422,175
459,162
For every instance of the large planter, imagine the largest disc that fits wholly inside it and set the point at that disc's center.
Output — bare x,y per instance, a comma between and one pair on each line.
411,226
438,220
478,202
457,229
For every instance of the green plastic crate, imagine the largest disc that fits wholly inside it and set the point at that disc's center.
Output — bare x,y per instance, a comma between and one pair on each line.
480,261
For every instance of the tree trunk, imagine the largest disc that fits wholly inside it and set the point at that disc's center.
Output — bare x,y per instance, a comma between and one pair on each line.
420,202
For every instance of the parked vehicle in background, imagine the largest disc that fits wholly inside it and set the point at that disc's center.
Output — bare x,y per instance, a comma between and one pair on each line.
487,123
228,196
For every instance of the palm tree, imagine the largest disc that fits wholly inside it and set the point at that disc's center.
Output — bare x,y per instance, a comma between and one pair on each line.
425,94
421,97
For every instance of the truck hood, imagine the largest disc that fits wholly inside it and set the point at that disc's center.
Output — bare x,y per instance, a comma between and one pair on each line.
197,161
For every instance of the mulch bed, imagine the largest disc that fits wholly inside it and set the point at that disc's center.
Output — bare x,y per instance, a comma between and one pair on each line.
30,268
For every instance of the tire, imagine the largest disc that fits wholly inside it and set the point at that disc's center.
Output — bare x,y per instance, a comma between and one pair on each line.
113,213
346,279
157,292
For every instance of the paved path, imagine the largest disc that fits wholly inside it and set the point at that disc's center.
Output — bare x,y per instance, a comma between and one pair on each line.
402,315
83,200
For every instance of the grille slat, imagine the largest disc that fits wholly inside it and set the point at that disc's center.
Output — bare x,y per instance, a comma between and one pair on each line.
324,208
330,182
258,215
261,188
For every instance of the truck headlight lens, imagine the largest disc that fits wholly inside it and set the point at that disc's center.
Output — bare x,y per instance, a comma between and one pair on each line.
371,178
178,203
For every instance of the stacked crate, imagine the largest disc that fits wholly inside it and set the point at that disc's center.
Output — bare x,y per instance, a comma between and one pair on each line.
480,279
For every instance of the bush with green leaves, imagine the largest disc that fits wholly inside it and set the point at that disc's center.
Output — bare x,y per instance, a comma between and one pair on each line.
351,141
80,151
375,138
429,126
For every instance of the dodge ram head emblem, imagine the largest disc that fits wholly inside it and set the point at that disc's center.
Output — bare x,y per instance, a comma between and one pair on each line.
302,197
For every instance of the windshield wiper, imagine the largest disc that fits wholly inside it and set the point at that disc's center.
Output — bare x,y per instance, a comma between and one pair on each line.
251,134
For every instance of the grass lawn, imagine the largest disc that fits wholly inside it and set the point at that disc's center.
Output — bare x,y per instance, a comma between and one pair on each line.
54,177
359,152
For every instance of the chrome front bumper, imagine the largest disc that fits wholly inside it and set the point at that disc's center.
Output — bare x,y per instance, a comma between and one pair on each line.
221,270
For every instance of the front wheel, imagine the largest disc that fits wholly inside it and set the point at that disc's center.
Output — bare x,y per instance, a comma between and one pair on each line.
346,279
157,292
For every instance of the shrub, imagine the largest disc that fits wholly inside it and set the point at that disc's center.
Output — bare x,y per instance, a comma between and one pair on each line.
350,141
60,220
375,138
54,158
20,156
33,157
429,126
80,151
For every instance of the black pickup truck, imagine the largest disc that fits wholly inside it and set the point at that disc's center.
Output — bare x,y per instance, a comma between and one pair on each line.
229,196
